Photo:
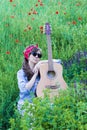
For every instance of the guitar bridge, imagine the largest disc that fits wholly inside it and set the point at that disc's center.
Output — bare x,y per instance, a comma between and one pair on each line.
53,86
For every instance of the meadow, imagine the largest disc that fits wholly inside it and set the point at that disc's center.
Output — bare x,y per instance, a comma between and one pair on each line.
21,24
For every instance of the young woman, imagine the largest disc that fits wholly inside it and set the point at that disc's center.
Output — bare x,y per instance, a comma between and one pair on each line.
28,76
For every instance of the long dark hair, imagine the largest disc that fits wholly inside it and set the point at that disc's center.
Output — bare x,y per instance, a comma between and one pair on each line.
26,66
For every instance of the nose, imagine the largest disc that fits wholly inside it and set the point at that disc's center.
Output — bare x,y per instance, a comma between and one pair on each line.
36,56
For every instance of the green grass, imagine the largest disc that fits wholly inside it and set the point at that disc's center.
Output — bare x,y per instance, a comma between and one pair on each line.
19,27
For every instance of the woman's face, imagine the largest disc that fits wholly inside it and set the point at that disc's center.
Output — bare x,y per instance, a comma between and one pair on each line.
35,57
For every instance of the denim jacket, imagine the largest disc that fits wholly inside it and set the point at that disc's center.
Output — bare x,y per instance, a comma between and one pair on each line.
25,94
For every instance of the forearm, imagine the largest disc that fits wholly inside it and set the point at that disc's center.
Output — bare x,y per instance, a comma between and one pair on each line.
31,82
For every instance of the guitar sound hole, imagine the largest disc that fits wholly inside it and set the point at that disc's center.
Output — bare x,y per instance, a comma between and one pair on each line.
51,74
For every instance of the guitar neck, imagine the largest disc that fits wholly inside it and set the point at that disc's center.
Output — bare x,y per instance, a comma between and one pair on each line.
50,61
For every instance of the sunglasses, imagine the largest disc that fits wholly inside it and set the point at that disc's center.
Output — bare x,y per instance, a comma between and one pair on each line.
36,54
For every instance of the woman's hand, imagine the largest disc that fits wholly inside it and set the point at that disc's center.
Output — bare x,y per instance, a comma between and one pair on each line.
37,67
35,70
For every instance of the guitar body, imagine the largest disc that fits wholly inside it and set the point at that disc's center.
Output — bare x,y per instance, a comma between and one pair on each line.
50,80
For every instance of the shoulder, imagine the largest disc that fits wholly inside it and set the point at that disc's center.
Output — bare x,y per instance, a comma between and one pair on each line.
21,76
21,73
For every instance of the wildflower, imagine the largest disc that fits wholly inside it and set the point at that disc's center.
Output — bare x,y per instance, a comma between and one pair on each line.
57,12
32,18
8,52
16,40
29,13
34,12
79,18
41,27
11,0
78,4
74,22
25,30
14,5
12,16
29,27
39,0
36,5
64,12
59,3
41,4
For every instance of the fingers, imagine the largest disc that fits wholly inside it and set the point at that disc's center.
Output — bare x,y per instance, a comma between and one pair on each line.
35,70
37,67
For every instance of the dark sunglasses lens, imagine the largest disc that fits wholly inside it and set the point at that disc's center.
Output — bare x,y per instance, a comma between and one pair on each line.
39,55
34,54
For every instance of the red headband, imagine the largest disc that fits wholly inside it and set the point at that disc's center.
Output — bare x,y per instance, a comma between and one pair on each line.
28,50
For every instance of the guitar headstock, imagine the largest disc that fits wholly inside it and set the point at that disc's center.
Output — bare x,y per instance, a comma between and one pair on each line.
47,29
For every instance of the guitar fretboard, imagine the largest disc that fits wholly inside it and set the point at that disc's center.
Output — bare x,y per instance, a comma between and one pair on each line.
50,61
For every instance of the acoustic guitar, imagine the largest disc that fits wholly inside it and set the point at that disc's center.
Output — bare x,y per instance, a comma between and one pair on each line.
51,72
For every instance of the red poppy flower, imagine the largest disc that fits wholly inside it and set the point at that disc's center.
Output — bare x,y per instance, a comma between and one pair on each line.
41,4
12,16
41,27
36,5
34,12
7,52
79,18
39,0
16,40
32,18
74,22
57,12
11,0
